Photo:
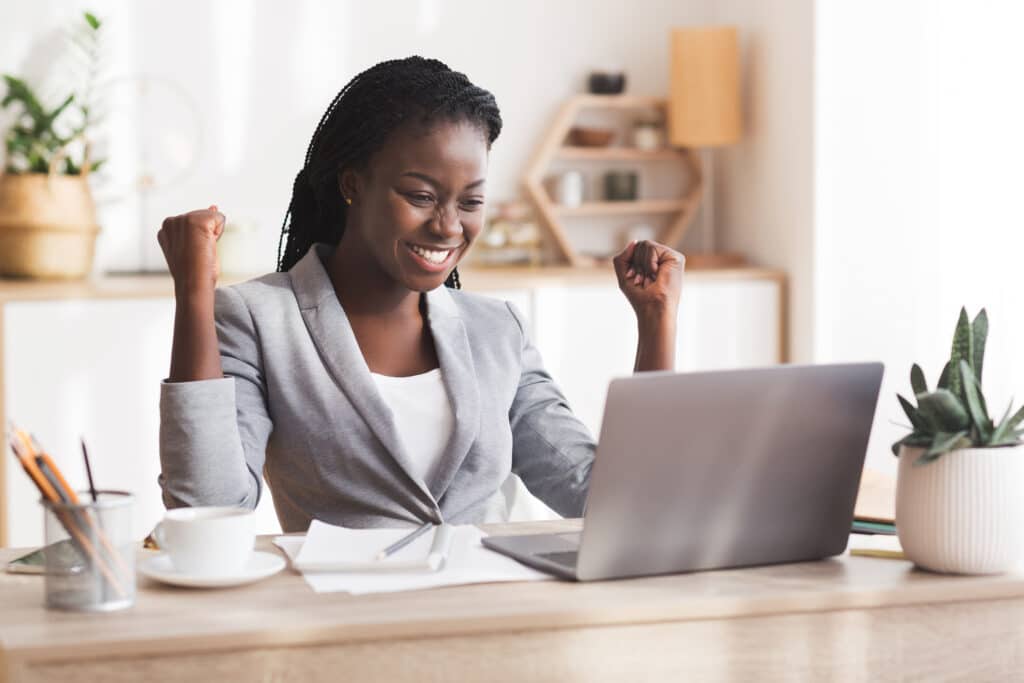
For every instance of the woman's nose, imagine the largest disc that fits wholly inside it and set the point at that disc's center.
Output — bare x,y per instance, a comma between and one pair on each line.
446,223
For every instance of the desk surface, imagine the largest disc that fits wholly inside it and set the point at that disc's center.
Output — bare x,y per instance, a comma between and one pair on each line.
283,611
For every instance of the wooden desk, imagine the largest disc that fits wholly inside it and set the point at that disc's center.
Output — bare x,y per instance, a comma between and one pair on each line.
847,619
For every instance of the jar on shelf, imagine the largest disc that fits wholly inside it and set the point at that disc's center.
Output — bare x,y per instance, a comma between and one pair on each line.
621,186
569,188
648,134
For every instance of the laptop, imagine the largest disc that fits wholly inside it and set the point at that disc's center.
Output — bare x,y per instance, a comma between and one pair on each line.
711,470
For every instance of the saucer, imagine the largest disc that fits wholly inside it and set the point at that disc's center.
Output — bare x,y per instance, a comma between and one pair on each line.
260,566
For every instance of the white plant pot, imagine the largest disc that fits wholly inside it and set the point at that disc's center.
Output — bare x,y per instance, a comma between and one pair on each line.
962,513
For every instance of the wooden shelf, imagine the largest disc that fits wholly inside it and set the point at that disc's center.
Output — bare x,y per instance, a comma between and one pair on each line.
620,102
680,211
617,154
623,207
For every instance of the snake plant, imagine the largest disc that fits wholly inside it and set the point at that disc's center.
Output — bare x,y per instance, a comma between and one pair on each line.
955,415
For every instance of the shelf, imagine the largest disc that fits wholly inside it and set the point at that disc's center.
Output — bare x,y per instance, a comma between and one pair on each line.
679,212
617,154
620,102
623,207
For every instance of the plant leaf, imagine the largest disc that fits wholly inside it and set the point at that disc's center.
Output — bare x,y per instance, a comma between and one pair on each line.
915,419
961,351
1017,418
944,377
92,20
943,411
1003,427
979,333
919,439
978,413
45,123
19,91
945,442
917,381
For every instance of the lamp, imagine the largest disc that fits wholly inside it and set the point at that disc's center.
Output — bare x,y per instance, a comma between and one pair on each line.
704,112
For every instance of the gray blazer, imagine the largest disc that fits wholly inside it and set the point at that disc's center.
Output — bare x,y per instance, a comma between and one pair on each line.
298,405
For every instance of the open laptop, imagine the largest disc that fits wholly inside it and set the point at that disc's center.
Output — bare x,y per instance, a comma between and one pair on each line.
717,469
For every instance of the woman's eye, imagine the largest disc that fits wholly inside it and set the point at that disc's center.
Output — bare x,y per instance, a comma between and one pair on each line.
471,204
420,197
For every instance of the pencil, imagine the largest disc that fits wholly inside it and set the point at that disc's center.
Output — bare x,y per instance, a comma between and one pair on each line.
404,541
25,454
88,469
72,497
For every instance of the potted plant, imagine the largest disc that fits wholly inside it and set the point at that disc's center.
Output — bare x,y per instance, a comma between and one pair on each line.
959,506
48,223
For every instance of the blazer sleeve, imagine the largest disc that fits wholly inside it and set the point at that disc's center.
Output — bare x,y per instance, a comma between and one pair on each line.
214,433
552,450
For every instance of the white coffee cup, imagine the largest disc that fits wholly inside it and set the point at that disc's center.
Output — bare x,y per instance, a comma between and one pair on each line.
207,541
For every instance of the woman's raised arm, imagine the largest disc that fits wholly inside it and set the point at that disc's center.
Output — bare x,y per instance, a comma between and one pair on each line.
650,275
189,243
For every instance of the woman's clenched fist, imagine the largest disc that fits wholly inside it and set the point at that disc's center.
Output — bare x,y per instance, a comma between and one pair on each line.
189,243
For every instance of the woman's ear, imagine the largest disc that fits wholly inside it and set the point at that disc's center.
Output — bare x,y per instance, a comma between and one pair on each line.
349,184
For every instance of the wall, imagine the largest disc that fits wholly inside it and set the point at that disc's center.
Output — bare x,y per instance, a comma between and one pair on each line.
764,185
919,140
261,73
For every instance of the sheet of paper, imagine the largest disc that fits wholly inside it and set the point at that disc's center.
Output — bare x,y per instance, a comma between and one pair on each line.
357,549
875,545
468,562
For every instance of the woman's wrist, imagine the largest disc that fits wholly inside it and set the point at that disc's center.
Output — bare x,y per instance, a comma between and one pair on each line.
654,316
193,295
656,343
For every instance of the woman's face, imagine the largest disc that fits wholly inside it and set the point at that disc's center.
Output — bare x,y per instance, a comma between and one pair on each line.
420,203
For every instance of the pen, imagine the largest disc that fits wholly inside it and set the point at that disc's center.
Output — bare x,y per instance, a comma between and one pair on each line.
404,541
439,548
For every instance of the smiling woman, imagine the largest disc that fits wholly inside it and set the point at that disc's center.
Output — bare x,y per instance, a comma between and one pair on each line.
365,391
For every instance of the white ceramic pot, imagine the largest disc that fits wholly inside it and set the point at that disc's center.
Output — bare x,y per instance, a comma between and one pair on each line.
962,513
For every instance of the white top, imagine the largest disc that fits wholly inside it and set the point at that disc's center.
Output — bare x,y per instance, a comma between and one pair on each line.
423,417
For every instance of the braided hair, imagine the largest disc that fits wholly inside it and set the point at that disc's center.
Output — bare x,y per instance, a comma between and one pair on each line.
357,124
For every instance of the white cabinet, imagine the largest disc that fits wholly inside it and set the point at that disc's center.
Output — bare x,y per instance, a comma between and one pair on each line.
89,364
587,335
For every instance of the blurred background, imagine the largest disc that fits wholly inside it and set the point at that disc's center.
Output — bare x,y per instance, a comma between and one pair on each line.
869,192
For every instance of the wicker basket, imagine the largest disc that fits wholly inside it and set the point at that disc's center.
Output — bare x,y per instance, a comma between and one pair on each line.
47,226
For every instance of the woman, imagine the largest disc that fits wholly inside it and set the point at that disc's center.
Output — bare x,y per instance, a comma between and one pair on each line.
358,379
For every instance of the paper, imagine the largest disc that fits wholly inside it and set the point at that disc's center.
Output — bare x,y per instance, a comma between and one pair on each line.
468,560
356,550
875,545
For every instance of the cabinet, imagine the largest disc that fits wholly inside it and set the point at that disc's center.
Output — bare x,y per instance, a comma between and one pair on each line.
87,359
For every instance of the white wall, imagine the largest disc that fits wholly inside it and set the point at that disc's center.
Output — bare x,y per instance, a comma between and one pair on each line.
261,72
919,141
765,183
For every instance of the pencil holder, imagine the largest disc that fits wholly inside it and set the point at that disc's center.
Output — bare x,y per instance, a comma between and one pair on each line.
89,553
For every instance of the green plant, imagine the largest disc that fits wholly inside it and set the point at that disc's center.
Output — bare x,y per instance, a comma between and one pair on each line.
955,415
40,138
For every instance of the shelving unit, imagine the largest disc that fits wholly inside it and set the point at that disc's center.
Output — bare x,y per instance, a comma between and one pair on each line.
552,148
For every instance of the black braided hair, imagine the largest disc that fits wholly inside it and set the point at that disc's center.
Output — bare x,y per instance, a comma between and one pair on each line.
358,123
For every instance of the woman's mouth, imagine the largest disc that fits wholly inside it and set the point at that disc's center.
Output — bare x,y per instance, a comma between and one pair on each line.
433,259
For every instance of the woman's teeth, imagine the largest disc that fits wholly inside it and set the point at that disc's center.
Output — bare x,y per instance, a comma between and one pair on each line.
430,254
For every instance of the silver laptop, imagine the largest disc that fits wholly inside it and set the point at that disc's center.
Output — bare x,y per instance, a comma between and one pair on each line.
717,469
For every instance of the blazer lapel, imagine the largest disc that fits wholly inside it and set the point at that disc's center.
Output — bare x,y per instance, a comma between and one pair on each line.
335,340
459,373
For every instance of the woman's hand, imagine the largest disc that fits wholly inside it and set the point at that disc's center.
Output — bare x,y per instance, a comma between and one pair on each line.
650,275
189,243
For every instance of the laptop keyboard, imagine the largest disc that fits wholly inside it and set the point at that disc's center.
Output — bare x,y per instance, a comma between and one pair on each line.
566,558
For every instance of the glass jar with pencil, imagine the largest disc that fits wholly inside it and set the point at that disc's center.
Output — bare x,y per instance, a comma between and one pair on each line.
89,557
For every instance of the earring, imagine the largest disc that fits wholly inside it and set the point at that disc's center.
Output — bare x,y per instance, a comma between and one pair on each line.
348,200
